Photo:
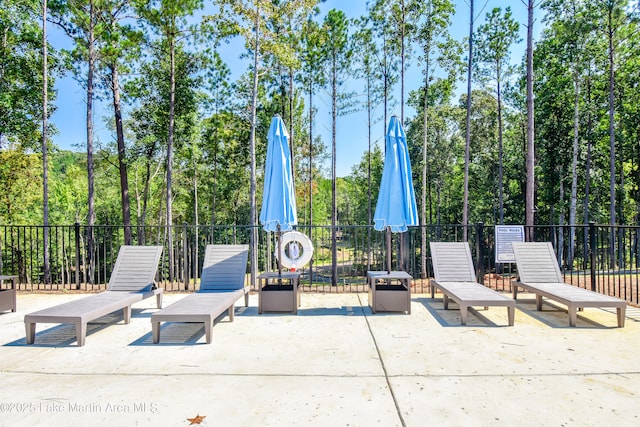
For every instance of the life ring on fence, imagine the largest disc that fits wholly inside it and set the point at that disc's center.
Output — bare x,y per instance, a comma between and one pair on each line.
297,250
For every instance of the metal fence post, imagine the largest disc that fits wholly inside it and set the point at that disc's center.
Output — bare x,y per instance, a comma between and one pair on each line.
77,232
185,268
593,253
480,252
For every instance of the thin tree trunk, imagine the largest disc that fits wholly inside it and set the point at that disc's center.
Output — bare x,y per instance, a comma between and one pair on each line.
369,201
283,94
311,174
334,204
500,155
587,172
404,239
530,161
91,215
145,198
612,140
467,139
45,165
402,60
214,187
425,183
253,237
430,198
196,218
438,203
169,197
574,169
291,150
122,161
561,223
386,88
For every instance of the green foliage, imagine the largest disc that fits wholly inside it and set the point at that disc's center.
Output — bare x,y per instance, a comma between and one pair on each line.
493,45
225,199
150,123
301,54
388,58
21,74
364,184
21,195
68,191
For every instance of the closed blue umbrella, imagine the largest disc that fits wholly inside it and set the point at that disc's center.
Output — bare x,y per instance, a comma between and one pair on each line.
396,208
278,212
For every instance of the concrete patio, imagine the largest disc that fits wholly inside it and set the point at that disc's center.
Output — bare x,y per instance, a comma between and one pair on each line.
334,364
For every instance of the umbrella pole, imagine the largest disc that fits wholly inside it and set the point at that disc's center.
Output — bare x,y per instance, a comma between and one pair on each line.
279,250
388,250
401,253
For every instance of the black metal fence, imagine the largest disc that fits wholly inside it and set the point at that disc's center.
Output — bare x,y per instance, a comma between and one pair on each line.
599,257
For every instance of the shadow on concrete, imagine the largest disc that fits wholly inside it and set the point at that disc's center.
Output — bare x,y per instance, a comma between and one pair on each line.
556,316
63,335
180,333
451,318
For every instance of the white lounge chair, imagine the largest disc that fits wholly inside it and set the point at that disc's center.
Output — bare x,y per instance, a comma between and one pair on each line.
132,280
539,273
456,278
221,285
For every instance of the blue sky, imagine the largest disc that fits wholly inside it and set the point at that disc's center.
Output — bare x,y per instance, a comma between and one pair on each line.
352,141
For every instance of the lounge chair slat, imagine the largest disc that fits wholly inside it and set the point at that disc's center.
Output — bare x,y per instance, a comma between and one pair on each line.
135,268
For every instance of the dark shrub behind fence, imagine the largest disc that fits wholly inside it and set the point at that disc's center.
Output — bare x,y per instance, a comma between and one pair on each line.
601,258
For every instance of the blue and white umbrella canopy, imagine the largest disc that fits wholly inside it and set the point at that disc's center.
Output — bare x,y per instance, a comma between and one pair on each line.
396,208
278,212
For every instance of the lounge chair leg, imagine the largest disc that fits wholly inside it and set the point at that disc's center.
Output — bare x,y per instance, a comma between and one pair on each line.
207,330
538,302
433,291
445,300
515,290
155,332
231,313
511,311
81,333
621,314
463,314
127,314
31,332
573,315
159,300
246,299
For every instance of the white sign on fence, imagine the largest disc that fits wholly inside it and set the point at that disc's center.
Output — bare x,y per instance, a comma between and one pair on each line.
505,234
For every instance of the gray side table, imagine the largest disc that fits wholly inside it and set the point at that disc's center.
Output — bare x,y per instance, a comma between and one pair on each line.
8,295
279,292
389,291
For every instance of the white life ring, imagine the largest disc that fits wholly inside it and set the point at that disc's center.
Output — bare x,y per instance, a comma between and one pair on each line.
297,250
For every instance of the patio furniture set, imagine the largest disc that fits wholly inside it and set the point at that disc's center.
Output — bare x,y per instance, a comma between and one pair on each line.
223,283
